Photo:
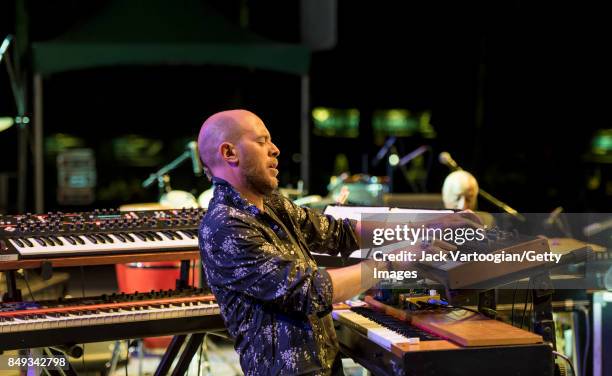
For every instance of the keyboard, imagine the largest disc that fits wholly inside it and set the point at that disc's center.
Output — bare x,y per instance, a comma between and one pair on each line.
99,232
484,274
377,338
106,317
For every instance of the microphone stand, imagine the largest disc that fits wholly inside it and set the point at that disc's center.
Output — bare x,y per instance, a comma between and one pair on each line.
161,174
500,204
17,79
408,158
492,199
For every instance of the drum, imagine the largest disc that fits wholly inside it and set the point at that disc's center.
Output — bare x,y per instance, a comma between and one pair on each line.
205,197
362,189
178,199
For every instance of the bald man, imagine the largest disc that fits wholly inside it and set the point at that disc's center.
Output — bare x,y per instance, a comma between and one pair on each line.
256,250
460,191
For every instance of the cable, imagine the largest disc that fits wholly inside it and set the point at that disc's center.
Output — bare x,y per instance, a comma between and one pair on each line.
127,355
514,301
83,295
200,358
587,343
25,278
567,360
206,360
526,301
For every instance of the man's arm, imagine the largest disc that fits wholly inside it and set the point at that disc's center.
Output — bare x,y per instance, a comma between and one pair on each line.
353,280
238,258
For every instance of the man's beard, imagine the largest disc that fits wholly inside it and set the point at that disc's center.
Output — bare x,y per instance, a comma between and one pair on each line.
259,182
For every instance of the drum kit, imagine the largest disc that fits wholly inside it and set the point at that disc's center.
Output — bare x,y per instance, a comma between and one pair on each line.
356,189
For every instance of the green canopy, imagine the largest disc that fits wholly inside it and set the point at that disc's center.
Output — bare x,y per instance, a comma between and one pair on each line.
157,32
161,32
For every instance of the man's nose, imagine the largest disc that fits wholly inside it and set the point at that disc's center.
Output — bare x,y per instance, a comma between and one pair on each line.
275,152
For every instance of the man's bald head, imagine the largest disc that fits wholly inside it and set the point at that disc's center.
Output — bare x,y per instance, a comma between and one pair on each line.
225,126
460,190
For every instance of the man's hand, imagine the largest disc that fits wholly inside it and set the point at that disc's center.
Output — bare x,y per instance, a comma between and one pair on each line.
466,218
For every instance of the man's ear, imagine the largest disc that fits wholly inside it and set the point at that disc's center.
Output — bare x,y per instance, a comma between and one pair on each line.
228,152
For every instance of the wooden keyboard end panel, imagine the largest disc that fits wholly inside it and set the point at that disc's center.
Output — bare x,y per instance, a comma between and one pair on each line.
401,349
470,329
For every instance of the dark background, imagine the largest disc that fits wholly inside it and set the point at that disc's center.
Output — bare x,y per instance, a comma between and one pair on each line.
539,72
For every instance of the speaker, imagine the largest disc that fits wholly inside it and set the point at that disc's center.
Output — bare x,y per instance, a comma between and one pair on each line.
318,24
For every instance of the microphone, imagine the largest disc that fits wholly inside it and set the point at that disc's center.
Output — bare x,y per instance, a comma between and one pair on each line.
413,154
5,45
195,158
446,159
384,150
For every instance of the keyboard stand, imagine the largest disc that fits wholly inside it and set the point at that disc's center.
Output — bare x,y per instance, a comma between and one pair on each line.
14,295
195,339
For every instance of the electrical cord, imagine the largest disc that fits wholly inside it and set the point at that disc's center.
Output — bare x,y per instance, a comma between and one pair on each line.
567,360
83,295
206,360
526,303
587,342
200,357
25,278
514,301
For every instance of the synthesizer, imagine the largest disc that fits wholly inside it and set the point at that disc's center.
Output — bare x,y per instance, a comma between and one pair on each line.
98,232
485,274
107,317
421,344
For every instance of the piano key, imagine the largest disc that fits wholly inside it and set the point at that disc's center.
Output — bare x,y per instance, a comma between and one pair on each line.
18,241
70,239
187,234
99,238
156,236
91,238
128,236
107,238
148,235
91,243
48,241
57,240
139,236
39,241
167,234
